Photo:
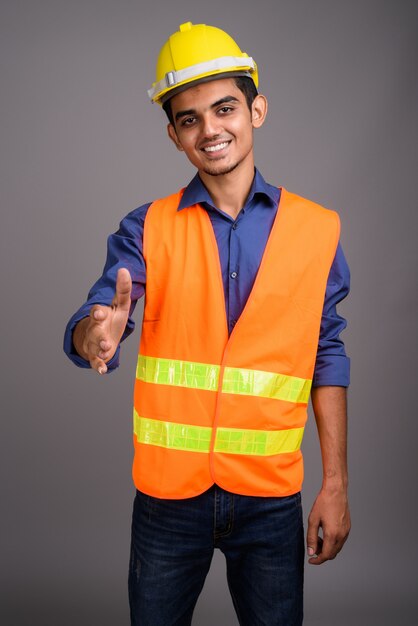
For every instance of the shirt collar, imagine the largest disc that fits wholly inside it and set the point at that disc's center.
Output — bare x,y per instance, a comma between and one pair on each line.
196,192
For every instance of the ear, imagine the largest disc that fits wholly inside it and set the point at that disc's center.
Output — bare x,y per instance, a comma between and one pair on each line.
173,136
259,110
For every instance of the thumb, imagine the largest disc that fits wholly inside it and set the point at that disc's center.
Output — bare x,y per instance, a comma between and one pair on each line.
312,536
123,289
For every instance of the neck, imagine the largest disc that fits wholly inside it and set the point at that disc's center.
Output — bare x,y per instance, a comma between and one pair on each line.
230,191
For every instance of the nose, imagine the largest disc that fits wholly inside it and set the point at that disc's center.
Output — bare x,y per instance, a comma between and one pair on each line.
211,126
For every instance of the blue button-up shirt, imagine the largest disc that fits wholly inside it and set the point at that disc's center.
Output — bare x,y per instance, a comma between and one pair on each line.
241,243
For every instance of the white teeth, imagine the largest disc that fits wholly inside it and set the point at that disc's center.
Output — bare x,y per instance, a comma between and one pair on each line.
219,146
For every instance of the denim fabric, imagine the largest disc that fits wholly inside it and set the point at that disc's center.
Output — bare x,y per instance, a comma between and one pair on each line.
172,547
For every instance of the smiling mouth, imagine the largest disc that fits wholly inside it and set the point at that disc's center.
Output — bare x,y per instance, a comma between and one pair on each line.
216,148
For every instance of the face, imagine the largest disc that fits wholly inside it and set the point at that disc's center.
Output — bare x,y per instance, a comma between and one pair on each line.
214,126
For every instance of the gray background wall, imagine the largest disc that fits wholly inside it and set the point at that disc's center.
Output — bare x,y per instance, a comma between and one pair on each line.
80,147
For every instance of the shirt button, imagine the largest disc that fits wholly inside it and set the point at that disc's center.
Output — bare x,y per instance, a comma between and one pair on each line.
234,226
233,274
233,322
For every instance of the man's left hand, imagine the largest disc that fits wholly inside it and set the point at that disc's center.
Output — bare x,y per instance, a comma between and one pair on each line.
331,513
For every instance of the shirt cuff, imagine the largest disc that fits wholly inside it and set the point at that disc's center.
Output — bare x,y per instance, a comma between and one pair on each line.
332,370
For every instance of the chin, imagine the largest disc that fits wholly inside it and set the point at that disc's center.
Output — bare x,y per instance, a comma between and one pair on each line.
220,170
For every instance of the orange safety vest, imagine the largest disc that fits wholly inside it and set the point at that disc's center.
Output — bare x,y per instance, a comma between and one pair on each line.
231,410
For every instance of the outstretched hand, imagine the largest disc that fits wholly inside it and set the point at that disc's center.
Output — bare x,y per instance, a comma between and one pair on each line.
97,337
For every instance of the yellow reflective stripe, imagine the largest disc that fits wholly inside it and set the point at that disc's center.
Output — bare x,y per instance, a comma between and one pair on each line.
266,385
171,435
228,440
235,380
179,373
258,442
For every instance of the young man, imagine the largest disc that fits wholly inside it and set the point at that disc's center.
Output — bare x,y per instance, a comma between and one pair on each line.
241,281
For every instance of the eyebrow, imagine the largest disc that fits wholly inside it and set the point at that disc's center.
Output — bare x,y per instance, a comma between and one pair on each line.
224,100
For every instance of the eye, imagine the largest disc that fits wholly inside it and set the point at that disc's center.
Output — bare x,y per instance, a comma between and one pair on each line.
226,109
187,121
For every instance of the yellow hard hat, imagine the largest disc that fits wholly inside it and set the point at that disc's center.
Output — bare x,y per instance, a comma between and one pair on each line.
195,53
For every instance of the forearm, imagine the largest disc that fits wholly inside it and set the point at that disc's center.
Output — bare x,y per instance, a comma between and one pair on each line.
330,510
330,409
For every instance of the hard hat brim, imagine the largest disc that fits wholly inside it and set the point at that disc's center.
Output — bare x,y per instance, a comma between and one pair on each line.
205,79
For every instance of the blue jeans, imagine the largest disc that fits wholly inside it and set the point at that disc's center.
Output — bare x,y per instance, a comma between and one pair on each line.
172,547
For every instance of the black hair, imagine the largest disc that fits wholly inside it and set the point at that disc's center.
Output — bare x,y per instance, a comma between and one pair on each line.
244,84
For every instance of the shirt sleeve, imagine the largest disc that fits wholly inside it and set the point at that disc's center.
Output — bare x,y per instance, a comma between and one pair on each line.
332,365
124,249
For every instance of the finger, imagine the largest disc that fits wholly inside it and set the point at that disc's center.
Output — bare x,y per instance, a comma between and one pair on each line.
93,350
98,313
98,364
105,350
105,356
312,536
331,547
315,558
123,289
